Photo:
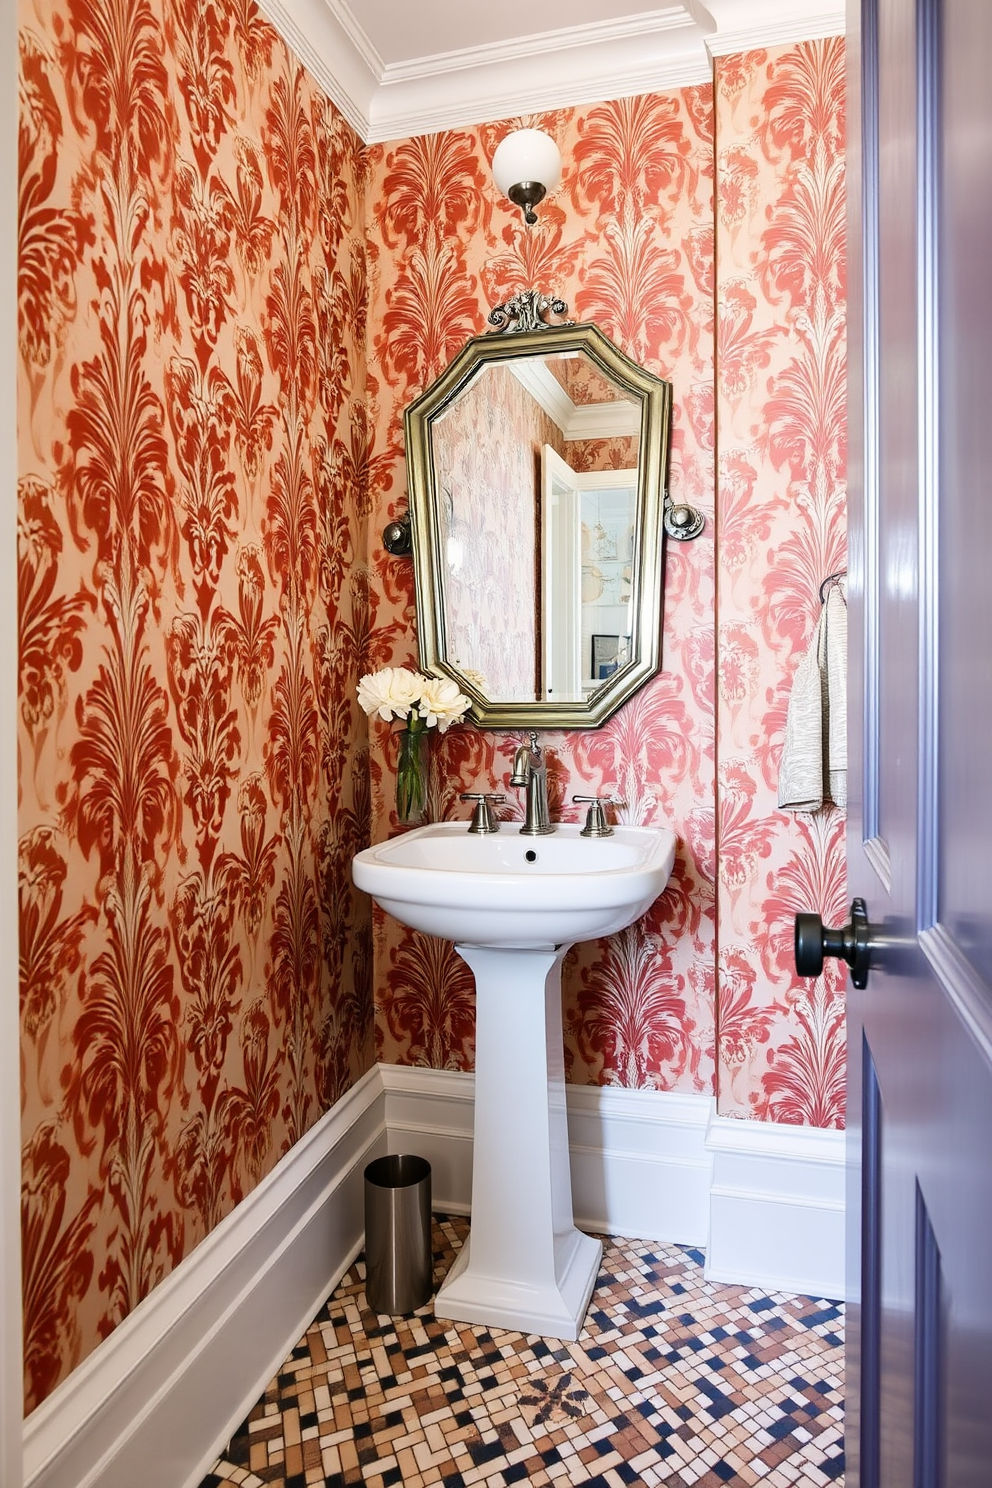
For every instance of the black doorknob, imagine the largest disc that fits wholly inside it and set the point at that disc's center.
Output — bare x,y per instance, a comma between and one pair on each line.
814,940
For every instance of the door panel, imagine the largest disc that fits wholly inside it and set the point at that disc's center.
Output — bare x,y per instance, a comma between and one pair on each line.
920,823
965,535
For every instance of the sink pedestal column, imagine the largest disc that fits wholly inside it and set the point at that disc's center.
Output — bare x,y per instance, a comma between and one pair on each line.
524,1266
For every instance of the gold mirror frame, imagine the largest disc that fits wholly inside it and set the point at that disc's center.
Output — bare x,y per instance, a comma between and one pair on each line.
648,577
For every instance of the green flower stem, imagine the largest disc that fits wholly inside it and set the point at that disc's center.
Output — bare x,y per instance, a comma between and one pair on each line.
411,770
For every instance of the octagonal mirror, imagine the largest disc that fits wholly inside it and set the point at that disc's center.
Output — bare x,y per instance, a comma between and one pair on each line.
537,466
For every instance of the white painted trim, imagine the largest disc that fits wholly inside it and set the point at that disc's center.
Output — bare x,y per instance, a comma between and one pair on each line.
765,1201
607,420
160,1397
771,23
639,1164
316,36
499,53
617,68
11,1329
157,1401
654,51
777,1207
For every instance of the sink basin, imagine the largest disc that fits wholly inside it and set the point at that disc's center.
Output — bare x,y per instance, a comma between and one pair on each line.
513,891
513,906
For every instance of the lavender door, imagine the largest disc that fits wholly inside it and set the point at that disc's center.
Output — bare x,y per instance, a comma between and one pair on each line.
920,840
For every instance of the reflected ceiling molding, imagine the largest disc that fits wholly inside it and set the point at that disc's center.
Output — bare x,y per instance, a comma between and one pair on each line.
576,421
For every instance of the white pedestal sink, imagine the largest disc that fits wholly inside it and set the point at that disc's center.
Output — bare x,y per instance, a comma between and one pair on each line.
514,905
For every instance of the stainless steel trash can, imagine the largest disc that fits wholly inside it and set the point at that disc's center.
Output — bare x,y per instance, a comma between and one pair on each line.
399,1265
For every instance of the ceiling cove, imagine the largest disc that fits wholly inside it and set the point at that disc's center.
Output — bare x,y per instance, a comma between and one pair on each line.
391,79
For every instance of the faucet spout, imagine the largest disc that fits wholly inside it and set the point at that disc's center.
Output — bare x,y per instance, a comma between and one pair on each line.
530,771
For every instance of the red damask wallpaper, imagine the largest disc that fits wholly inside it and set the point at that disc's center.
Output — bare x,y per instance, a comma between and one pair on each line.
628,242
195,972
782,438
225,306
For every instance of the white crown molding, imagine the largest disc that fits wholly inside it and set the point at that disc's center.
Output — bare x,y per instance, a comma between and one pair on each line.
576,421
631,28
770,24
647,53
315,34
520,82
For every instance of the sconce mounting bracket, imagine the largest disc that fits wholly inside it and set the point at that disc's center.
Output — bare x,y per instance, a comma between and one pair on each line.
397,538
682,522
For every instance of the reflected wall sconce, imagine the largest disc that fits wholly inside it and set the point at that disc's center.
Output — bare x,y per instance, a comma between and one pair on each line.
526,166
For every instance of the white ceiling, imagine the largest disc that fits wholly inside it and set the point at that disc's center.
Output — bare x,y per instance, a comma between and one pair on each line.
403,67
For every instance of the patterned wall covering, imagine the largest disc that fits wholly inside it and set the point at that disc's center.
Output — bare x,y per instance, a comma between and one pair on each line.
628,242
781,420
225,307
194,773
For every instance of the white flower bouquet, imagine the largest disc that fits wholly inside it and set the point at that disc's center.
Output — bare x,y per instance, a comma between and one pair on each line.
422,703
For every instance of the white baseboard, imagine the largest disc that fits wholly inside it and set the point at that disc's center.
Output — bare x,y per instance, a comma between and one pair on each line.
430,1112
639,1162
156,1402
765,1201
777,1207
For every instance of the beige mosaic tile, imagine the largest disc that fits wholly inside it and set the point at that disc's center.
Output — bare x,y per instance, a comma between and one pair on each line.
675,1381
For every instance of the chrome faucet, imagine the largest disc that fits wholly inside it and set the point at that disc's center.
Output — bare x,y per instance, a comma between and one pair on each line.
530,769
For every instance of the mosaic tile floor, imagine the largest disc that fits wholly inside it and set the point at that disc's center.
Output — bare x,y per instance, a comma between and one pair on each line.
674,1381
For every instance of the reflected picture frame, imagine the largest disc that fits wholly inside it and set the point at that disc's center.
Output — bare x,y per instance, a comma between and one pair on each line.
609,654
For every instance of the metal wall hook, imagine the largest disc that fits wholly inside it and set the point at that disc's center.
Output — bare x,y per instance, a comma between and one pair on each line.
831,579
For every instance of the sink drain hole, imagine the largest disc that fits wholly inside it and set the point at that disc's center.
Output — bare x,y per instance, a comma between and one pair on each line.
530,855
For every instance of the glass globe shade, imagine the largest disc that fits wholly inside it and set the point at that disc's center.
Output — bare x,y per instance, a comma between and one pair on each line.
527,155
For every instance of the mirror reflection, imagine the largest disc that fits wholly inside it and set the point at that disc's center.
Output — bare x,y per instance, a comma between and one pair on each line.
536,472
536,468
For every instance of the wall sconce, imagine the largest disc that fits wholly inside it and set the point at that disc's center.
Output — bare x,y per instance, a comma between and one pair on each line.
526,166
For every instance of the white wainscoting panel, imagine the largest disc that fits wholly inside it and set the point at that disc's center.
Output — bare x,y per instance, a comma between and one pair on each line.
639,1161
430,1112
154,1404
777,1207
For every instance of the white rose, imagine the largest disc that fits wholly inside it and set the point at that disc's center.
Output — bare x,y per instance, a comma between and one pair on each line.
392,692
441,703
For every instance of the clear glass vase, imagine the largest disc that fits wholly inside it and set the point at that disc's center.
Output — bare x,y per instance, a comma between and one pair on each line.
411,772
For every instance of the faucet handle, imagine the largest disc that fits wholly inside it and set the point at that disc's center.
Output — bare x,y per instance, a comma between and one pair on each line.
596,823
484,819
